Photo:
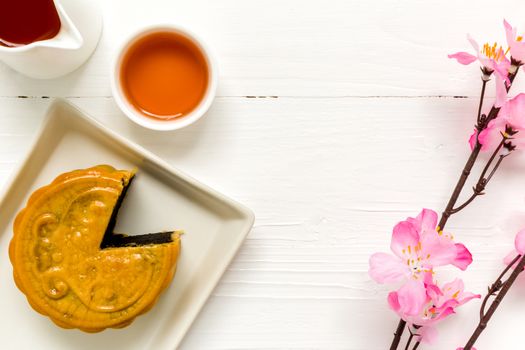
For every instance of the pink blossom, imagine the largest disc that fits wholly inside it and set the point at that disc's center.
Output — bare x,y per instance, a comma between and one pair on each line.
451,294
510,120
491,57
473,348
515,43
418,247
440,302
519,247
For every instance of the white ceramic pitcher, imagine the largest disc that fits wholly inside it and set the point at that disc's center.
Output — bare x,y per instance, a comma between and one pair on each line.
61,54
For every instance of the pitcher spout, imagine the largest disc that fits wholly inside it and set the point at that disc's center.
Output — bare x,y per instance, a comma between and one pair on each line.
68,37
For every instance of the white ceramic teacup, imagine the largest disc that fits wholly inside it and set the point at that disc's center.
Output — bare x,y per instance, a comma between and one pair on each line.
157,124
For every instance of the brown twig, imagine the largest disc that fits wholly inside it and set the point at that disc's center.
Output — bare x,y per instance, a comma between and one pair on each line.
483,181
483,86
398,333
495,287
485,317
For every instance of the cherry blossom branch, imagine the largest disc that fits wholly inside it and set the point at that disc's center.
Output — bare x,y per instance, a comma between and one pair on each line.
501,288
483,181
482,124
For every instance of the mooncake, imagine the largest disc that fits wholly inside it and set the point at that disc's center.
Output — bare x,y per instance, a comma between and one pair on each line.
70,264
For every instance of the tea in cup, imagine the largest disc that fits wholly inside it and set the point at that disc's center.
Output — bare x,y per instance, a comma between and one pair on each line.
164,78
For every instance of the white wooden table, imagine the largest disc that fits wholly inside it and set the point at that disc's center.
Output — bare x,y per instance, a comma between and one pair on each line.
334,120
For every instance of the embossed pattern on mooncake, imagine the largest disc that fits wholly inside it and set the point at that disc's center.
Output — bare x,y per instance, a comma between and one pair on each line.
58,262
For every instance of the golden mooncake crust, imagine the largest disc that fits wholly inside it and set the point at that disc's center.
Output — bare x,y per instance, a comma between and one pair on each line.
59,265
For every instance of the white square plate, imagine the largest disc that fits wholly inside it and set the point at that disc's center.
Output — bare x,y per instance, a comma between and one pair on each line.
159,198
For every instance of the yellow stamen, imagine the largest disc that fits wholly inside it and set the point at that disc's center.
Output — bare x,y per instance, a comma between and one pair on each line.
409,250
455,295
494,51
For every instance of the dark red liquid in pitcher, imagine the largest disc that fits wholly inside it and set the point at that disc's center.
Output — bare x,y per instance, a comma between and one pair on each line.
23,22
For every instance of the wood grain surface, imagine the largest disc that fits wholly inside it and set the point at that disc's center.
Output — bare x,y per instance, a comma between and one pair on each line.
334,120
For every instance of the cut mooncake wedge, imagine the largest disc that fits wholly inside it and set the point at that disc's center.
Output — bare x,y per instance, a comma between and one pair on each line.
73,268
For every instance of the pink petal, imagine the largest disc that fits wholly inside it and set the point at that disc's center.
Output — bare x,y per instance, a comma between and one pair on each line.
412,297
502,69
452,303
451,288
473,139
427,334
517,48
453,296
428,279
445,313
463,258
514,111
473,42
403,236
433,291
519,242
438,250
486,138
427,220
448,304
491,136
393,301
510,33
463,57
468,296
385,268
501,92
